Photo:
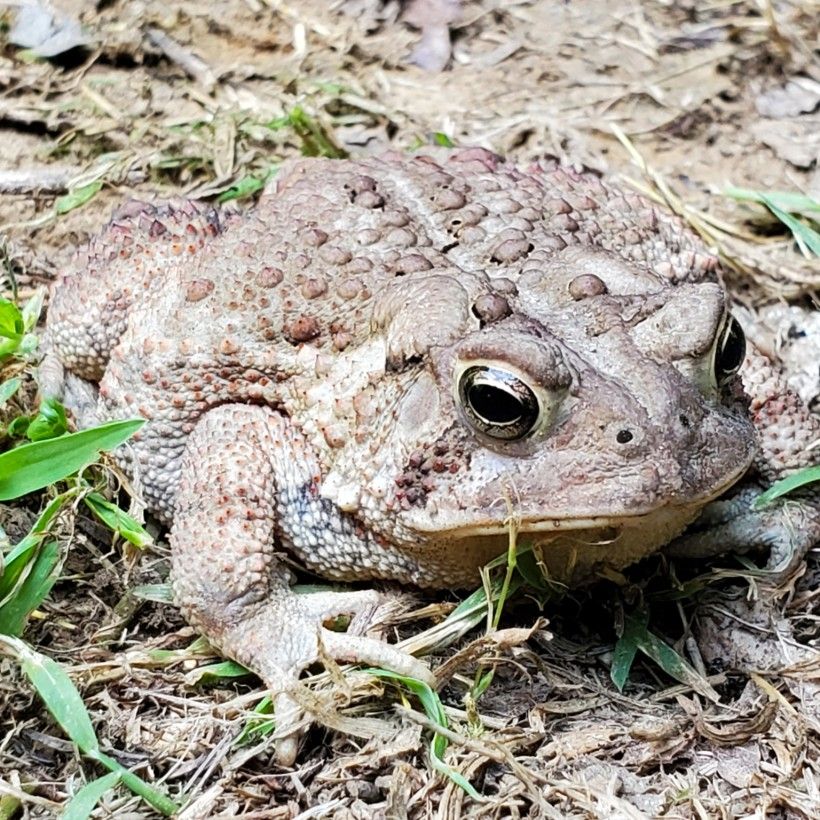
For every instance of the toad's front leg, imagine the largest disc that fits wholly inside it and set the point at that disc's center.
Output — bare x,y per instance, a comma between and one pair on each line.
227,577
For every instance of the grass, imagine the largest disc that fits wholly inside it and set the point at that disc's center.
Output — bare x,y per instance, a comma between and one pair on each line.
798,212
64,703
53,458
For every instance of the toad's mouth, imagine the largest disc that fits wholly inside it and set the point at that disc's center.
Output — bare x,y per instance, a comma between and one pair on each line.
597,527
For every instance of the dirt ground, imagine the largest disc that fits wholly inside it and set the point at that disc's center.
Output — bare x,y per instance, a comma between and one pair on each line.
184,98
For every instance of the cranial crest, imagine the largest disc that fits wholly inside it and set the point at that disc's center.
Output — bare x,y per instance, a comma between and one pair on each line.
420,313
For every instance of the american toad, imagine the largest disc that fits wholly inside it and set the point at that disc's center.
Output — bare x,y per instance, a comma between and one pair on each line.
375,367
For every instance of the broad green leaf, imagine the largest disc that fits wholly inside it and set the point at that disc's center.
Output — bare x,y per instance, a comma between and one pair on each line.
247,186
45,570
625,650
86,799
8,346
34,466
440,138
49,422
435,712
216,672
18,426
118,520
786,485
8,388
12,325
76,198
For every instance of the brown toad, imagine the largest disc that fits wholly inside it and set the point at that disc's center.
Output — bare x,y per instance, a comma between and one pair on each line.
384,360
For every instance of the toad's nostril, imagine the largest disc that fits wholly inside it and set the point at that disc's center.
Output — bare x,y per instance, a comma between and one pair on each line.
684,420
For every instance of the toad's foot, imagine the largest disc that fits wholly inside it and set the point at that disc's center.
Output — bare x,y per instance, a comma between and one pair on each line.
280,637
230,583
787,528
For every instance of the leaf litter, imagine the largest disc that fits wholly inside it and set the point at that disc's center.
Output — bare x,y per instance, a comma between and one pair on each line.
189,99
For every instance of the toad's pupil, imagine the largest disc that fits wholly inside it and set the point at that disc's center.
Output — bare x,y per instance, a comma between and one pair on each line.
495,404
731,352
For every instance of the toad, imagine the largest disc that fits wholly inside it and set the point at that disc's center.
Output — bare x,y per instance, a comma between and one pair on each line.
369,373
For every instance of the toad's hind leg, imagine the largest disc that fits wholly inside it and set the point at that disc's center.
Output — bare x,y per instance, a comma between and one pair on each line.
239,469
91,300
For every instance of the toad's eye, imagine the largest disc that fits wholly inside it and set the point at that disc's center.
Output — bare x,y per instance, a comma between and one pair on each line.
729,351
497,403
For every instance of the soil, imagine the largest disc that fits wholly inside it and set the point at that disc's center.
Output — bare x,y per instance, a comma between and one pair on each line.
193,99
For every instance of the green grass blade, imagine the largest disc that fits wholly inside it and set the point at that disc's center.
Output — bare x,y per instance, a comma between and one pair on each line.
74,199
59,695
118,520
806,237
34,589
637,636
138,786
84,802
257,728
242,188
248,185
17,560
63,701
316,141
785,200
675,665
434,710
786,485
217,672
8,389
34,466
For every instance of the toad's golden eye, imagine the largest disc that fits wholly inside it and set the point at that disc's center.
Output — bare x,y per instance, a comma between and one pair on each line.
497,403
729,351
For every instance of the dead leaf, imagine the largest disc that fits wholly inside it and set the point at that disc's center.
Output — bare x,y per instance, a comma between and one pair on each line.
46,32
735,732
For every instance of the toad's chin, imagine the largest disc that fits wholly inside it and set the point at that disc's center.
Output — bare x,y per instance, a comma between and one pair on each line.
575,551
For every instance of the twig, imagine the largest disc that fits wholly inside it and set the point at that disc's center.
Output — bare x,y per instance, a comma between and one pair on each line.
192,65
52,179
